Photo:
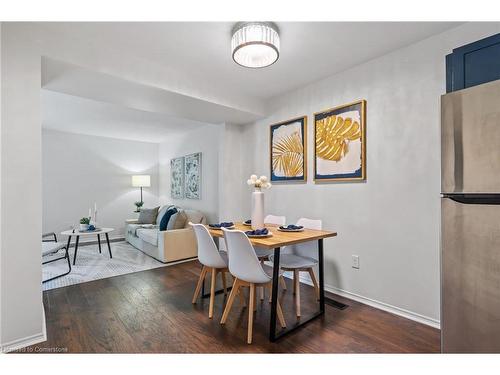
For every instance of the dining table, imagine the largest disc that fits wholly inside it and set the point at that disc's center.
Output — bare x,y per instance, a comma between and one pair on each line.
276,242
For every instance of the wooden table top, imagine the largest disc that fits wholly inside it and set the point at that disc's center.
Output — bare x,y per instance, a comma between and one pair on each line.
278,239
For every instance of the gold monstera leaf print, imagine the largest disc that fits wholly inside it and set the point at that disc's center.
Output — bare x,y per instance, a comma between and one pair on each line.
332,136
288,155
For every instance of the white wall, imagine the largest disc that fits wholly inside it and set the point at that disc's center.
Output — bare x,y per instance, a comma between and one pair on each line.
232,179
78,170
205,140
392,220
22,310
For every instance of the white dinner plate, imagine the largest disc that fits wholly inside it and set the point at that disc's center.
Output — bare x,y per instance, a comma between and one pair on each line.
269,234
221,228
291,230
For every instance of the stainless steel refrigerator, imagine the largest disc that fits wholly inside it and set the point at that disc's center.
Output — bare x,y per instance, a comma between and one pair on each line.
470,220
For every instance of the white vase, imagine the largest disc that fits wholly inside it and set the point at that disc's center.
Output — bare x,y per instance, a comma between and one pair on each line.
257,209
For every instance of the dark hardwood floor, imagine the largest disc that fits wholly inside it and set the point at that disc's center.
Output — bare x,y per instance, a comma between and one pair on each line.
151,312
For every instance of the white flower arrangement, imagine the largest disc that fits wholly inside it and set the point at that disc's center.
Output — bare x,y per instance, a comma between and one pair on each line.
259,182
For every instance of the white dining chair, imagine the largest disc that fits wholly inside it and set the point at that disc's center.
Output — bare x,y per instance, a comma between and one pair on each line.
247,272
263,254
298,258
213,261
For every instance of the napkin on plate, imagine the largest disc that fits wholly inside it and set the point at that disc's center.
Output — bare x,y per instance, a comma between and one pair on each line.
291,227
222,225
257,232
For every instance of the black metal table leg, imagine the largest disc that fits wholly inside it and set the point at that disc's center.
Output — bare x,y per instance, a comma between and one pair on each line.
109,247
322,300
274,294
321,276
99,242
68,243
76,249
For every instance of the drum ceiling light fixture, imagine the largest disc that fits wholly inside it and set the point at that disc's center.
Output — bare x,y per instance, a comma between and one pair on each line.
255,44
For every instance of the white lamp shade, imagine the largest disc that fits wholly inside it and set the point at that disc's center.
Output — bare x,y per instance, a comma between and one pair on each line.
143,180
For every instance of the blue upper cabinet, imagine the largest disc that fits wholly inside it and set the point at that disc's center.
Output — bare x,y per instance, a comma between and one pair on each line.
473,64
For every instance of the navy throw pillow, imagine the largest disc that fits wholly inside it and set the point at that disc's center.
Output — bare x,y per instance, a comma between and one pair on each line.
166,218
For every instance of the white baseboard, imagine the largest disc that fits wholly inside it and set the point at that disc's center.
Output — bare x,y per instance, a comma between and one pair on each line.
304,278
23,342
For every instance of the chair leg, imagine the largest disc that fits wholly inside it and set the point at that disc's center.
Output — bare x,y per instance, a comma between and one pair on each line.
203,273
281,318
235,290
250,313
224,282
315,282
296,283
213,281
282,282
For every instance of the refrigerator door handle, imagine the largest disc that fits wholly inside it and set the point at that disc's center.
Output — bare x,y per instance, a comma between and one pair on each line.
490,199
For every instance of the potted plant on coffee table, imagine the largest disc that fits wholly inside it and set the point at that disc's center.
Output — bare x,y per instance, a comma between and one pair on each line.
84,224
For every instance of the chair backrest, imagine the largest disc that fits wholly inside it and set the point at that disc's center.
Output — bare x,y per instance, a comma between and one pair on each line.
272,219
308,249
208,254
243,263
310,223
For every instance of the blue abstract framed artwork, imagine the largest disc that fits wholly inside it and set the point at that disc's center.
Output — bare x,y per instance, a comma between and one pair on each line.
192,176
288,156
340,143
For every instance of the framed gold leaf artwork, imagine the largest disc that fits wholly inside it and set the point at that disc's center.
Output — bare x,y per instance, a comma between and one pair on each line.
288,150
340,143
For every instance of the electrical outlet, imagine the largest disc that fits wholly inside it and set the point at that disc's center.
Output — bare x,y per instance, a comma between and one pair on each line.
355,261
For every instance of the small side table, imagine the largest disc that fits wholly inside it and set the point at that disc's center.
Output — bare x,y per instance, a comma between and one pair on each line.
77,234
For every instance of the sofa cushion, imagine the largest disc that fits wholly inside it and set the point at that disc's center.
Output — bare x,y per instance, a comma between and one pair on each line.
193,216
132,228
166,218
51,247
177,220
162,212
148,235
148,215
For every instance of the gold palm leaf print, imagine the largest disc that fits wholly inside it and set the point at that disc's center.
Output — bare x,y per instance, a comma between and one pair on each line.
332,136
288,155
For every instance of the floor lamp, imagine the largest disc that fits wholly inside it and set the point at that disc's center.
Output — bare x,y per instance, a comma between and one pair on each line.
141,181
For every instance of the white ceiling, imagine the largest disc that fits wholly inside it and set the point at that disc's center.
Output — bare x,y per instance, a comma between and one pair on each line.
309,50
74,80
90,102
74,114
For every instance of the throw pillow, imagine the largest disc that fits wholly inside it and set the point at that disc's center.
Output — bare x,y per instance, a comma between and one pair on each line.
162,212
166,218
177,221
148,215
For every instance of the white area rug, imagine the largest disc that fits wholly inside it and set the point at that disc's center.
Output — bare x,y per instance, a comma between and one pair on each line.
90,265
